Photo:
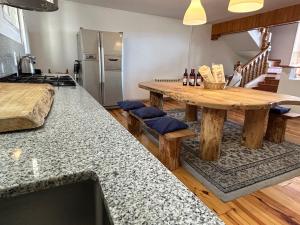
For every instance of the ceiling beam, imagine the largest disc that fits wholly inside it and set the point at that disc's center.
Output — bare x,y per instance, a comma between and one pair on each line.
281,16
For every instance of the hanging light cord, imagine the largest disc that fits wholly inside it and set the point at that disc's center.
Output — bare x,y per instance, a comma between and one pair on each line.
190,48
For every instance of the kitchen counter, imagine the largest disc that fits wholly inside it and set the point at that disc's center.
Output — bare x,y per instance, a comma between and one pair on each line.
80,141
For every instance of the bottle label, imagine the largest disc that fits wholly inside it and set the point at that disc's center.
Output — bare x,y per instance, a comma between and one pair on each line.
184,80
199,80
192,81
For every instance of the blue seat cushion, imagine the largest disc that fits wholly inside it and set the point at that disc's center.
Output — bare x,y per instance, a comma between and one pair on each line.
130,105
280,110
148,112
165,124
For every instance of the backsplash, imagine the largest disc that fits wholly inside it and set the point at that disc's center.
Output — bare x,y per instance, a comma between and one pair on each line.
7,49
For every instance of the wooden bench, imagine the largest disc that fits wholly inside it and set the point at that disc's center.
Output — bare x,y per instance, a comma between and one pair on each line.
277,126
169,144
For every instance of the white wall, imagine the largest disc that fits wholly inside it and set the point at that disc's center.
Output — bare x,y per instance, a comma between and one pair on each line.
153,46
296,51
283,39
289,86
205,51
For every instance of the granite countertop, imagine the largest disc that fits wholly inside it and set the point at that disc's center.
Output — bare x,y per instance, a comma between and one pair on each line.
81,140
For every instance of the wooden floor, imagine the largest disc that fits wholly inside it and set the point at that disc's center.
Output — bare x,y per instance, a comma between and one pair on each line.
279,204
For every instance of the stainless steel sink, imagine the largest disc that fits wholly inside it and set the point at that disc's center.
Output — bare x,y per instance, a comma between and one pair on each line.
72,204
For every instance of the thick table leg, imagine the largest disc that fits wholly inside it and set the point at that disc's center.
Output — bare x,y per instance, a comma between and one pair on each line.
254,128
276,128
169,152
191,113
211,133
156,100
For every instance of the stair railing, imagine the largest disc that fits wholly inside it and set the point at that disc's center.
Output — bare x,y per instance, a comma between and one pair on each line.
255,67
259,64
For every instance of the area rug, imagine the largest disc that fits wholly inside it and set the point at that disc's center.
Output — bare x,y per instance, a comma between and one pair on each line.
239,171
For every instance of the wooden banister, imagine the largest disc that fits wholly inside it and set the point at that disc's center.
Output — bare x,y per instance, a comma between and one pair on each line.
256,66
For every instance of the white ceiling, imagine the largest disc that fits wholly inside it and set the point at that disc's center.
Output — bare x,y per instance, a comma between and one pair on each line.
216,9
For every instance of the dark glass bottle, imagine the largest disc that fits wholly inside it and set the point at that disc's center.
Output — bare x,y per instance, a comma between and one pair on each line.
198,79
192,78
185,78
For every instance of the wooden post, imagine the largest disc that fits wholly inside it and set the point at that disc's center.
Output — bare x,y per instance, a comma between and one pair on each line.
134,125
254,128
211,133
156,100
169,152
276,128
191,112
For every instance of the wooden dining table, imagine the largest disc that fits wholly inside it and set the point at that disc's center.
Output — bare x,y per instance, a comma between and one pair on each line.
215,104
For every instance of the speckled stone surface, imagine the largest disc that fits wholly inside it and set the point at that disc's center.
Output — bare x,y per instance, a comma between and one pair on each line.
81,140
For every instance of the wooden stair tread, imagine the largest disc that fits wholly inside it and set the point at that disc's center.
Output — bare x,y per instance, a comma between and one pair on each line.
270,78
275,60
269,84
291,115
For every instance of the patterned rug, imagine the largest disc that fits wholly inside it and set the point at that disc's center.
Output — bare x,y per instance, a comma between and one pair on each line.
239,171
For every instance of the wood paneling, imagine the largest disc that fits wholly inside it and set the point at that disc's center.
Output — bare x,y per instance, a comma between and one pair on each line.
281,16
279,204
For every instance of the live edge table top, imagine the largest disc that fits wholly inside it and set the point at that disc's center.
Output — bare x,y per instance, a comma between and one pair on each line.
229,98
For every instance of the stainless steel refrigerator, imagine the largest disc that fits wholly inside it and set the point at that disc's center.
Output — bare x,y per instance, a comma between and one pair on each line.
100,54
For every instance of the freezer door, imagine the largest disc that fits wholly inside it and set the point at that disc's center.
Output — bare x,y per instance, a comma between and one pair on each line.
89,56
112,46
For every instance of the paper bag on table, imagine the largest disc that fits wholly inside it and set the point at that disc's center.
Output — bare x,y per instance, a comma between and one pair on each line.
206,74
218,73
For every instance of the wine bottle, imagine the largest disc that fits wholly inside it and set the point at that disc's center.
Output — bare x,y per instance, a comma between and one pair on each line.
185,78
198,79
192,78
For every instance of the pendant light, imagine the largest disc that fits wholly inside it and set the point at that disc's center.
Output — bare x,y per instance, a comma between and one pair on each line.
244,6
195,14
36,5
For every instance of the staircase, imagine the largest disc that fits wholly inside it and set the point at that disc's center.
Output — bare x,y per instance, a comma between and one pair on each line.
270,80
255,67
270,84
259,64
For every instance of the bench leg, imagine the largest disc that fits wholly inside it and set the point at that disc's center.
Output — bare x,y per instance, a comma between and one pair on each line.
169,152
254,128
276,129
134,126
212,125
156,100
191,112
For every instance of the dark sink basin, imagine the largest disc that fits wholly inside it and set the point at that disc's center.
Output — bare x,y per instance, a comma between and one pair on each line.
73,204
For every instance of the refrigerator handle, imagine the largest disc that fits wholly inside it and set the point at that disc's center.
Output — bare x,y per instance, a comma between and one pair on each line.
101,58
101,66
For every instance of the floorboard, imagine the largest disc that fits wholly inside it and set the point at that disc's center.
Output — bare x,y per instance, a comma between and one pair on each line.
276,205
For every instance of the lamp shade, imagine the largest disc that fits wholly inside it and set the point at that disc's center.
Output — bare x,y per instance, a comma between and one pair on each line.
243,6
36,5
195,14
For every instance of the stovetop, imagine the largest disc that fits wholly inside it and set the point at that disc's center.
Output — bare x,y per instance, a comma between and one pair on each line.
55,80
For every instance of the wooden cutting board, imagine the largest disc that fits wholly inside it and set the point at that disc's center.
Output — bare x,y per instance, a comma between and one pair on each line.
24,106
